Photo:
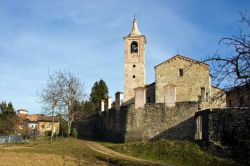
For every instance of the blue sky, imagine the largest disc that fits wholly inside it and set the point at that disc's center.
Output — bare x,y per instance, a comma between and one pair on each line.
86,38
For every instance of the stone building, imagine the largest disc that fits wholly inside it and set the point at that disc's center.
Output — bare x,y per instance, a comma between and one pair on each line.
163,109
177,79
190,78
238,96
180,104
41,125
37,124
134,66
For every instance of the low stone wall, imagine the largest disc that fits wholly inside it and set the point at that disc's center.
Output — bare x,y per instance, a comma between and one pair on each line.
155,121
229,127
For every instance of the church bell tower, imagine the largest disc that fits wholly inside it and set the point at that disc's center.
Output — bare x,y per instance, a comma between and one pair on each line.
134,64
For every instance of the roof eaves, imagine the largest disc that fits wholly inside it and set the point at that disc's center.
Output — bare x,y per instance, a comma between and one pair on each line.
181,57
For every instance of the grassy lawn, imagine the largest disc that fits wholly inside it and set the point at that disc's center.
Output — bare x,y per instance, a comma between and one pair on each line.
43,152
75,152
59,152
171,152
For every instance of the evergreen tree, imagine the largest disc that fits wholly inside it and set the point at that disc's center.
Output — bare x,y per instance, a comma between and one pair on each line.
88,108
8,119
99,92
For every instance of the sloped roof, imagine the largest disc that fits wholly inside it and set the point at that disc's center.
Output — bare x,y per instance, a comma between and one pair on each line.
37,117
148,85
22,116
216,87
244,87
182,57
41,117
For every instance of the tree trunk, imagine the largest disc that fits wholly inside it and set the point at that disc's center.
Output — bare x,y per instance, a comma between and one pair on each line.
52,125
69,127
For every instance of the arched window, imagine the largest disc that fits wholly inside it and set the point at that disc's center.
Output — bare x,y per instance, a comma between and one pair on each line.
134,47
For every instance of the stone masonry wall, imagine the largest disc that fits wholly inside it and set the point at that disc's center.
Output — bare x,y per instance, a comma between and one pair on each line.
229,127
134,67
155,121
188,86
111,125
87,128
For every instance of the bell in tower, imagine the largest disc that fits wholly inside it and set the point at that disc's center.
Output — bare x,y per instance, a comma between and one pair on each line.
134,64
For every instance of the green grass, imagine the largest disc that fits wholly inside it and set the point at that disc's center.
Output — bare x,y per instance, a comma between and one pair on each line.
68,151
172,152
74,152
64,148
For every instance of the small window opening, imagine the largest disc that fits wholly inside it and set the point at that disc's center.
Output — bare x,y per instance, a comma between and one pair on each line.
203,93
181,73
134,66
230,103
207,97
133,76
134,47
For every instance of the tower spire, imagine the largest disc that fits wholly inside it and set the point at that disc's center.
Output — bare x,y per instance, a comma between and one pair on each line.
135,31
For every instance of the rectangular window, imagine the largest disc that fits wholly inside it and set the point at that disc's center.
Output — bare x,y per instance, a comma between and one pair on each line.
181,72
207,97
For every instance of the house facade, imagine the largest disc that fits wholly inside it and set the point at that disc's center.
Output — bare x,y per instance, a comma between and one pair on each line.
239,96
38,124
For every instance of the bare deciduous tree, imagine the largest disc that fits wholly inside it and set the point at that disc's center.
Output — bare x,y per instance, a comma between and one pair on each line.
60,94
234,70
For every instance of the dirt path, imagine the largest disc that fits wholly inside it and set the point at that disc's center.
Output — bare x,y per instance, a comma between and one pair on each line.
104,150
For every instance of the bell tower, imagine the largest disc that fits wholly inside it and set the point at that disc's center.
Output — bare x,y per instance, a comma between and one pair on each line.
134,64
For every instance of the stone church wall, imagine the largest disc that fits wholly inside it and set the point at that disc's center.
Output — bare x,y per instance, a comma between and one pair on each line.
229,127
188,87
155,121
158,122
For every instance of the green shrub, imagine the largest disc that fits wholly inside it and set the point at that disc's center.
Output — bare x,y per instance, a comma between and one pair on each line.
74,133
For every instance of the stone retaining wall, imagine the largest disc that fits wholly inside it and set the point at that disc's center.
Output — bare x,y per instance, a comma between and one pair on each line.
155,121
229,127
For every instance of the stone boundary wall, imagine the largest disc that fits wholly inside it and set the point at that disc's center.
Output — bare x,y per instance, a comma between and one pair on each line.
87,128
229,127
153,122
112,124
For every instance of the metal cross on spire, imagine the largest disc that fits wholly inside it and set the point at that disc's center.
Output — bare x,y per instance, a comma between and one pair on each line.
134,16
